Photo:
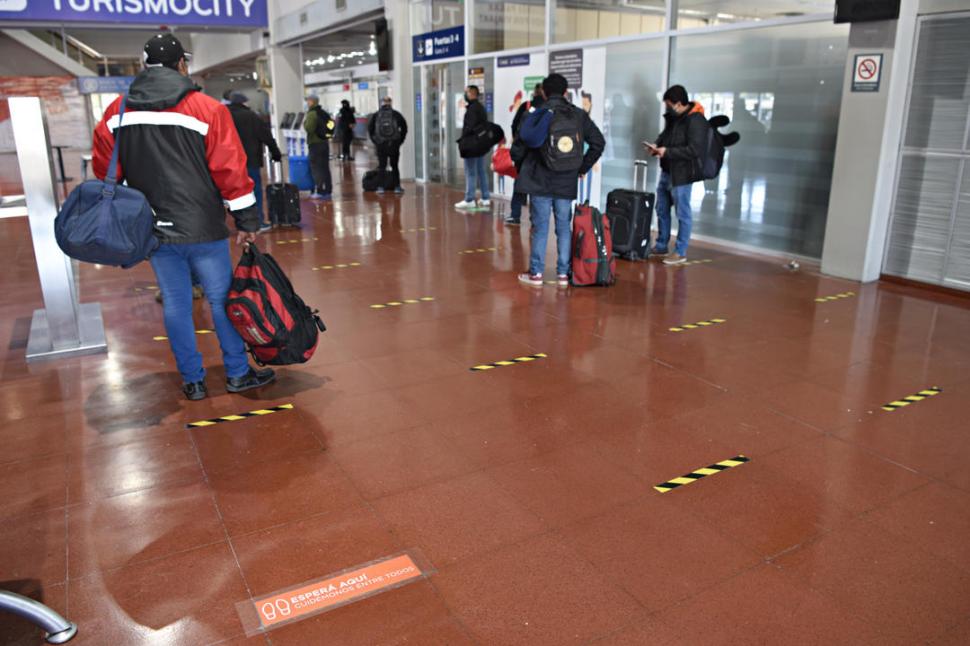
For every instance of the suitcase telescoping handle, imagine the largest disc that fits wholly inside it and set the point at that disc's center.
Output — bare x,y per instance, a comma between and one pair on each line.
638,165
276,173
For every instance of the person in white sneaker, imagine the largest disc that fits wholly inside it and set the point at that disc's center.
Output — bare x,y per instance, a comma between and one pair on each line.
475,116
561,144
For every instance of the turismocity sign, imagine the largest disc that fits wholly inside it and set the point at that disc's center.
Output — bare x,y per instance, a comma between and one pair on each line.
214,13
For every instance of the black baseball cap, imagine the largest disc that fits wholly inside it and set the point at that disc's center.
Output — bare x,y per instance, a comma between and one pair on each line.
165,49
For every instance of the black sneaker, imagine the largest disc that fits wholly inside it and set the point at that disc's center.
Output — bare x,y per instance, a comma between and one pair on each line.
195,391
512,222
252,379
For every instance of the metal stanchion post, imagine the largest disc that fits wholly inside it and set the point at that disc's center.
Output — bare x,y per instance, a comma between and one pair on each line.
64,327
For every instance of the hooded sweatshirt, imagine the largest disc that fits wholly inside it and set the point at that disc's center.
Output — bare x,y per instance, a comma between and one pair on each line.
180,148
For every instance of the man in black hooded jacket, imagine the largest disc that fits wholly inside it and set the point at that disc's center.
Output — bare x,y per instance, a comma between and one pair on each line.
180,148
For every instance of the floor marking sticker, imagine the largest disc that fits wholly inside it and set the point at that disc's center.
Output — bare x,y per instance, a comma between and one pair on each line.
482,250
406,301
339,589
699,324
340,266
296,240
912,399
692,262
417,229
239,416
150,288
825,299
693,476
165,338
508,362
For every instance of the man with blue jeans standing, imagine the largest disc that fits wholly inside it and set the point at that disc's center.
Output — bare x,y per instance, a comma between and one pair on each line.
679,148
560,144
181,149
475,117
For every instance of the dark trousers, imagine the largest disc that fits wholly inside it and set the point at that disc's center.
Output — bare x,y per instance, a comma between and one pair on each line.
347,141
256,174
392,155
320,167
515,209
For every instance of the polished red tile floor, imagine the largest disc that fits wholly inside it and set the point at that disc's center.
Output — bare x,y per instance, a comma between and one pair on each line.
529,488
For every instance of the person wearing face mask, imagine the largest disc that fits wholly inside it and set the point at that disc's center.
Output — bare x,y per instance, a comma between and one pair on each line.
475,117
680,147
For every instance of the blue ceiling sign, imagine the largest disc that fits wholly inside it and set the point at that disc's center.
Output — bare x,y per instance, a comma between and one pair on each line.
517,60
444,43
104,84
210,13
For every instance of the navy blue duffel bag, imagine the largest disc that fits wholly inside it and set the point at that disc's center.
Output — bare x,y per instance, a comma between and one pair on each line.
104,223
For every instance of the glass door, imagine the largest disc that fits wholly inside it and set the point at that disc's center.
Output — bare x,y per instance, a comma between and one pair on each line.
443,102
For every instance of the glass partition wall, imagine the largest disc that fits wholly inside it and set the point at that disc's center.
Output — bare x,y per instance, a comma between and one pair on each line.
775,68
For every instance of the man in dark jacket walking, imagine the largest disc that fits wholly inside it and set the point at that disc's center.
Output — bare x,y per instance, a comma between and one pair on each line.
254,133
348,119
679,147
475,117
166,112
388,129
552,165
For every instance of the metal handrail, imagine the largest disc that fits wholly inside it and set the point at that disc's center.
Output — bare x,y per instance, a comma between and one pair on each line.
58,630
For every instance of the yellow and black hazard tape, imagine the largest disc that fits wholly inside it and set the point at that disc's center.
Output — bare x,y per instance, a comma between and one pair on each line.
165,338
150,288
340,266
482,250
912,399
699,324
835,297
508,362
406,301
239,416
296,240
702,261
693,476
417,229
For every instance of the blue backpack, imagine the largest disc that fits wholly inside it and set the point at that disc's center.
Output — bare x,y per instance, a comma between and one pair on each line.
107,224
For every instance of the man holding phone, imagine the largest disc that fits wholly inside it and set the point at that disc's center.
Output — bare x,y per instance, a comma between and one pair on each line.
679,147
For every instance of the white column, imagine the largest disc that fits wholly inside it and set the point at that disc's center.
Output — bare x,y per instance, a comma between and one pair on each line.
402,81
867,150
286,94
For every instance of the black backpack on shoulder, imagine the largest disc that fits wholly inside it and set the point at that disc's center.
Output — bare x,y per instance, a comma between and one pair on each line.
325,124
386,128
713,158
563,149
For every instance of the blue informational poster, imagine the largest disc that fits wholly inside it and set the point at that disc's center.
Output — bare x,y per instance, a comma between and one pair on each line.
444,43
207,13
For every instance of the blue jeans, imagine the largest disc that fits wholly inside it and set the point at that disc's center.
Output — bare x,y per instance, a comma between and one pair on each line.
174,266
256,174
541,209
475,170
679,197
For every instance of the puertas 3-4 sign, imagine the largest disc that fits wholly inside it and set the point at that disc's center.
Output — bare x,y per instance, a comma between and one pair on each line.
211,13
444,43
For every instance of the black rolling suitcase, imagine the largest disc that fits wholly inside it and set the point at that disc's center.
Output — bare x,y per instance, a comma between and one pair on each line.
630,214
282,199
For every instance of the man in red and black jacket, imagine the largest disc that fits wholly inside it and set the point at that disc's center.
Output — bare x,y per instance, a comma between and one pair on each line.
181,149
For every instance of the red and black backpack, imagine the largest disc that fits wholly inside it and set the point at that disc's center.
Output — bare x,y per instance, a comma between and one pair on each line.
274,322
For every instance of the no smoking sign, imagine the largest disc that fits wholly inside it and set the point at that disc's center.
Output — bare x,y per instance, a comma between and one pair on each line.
867,72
